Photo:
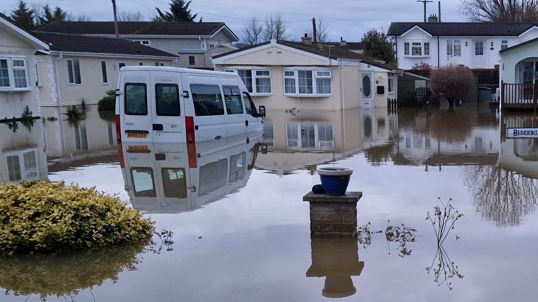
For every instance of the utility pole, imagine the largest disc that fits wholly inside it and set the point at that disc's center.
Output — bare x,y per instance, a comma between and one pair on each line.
314,31
116,30
425,2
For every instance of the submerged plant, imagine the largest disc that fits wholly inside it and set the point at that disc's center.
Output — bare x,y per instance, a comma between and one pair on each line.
74,116
443,221
402,235
26,119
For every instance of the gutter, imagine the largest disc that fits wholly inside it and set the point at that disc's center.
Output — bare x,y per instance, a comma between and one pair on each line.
113,55
62,131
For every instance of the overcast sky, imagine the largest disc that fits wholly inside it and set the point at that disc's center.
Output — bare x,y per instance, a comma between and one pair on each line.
346,19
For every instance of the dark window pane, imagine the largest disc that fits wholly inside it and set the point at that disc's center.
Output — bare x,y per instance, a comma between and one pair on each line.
174,181
207,99
167,98
136,101
232,98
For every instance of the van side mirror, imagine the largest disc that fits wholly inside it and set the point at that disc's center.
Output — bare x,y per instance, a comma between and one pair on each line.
261,111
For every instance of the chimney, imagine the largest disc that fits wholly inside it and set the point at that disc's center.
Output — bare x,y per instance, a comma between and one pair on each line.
342,42
432,19
306,40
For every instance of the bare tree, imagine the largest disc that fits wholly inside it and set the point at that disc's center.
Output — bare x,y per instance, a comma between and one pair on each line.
500,10
130,17
321,31
451,81
274,28
252,31
79,18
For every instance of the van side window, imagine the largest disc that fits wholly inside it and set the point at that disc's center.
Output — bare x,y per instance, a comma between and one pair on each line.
232,98
136,99
213,176
207,99
249,105
174,181
238,169
167,98
143,182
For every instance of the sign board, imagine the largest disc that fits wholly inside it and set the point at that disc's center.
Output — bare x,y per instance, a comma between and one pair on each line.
522,132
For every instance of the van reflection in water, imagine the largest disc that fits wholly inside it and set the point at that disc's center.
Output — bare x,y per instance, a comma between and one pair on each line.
179,177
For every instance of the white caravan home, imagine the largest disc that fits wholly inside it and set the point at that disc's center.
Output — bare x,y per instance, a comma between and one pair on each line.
179,177
167,104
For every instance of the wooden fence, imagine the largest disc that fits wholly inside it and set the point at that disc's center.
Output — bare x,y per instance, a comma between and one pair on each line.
519,96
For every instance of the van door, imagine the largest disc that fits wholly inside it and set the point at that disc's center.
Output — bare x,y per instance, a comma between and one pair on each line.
254,123
207,107
168,123
135,112
235,113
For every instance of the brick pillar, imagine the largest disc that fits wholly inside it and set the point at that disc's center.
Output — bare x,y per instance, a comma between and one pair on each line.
333,216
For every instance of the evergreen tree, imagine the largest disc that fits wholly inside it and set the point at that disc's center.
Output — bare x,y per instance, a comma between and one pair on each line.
179,12
23,16
376,44
49,16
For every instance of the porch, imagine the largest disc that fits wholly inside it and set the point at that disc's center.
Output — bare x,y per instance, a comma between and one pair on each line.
519,96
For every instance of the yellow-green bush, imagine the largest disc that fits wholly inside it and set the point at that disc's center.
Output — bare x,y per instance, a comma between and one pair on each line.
40,217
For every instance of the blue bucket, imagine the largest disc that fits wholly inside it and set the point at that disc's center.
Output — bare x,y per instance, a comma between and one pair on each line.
335,180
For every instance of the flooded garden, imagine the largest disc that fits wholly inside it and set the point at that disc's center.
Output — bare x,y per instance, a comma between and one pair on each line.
448,211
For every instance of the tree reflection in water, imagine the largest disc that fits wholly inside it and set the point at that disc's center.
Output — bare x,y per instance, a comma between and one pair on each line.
500,195
451,126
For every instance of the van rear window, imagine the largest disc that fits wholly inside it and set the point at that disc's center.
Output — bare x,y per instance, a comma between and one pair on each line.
143,182
232,98
167,99
207,100
136,100
174,182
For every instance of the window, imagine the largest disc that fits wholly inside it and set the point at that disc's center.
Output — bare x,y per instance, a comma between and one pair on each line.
310,135
73,71
167,98
232,98
13,74
390,84
22,165
238,167
143,42
207,99
174,182
479,48
37,73
143,182
453,48
213,176
268,134
192,60
418,49
121,64
81,137
504,44
136,99
257,81
159,63
103,72
140,63
307,82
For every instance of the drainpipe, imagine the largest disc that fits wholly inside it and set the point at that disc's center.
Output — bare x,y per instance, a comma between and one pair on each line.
342,100
438,54
62,132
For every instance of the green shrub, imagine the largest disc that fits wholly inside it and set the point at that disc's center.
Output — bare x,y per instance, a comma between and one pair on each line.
40,217
107,103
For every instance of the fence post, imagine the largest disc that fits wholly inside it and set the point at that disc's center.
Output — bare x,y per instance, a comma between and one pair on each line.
502,94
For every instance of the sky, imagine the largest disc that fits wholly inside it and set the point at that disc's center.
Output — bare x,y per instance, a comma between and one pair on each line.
347,20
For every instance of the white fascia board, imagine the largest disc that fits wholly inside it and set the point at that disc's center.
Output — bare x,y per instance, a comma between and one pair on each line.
230,33
109,55
525,32
148,37
221,60
28,37
416,27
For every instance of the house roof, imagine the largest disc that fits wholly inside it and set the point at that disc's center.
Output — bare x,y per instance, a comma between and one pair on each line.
353,46
101,45
13,28
138,28
462,28
518,45
327,51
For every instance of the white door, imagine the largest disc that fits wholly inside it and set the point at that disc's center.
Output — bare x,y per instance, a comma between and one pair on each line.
479,54
168,124
367,89
136,125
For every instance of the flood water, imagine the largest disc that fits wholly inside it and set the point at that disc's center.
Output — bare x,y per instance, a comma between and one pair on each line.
241,231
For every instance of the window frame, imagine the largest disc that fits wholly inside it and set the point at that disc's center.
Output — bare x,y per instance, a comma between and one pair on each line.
417,49
24,169
252,87
143,42
104,72
192,60
11,68
317,75
504,44
72,72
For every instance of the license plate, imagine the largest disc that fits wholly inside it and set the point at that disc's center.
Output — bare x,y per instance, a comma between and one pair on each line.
138,149
137,134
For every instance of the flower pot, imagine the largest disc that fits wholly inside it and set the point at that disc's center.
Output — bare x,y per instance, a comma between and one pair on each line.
335,179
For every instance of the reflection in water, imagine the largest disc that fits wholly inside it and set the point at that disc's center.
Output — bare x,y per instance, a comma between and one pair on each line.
65,275
401,235
178,177
443,220
450,126
337,260
501,195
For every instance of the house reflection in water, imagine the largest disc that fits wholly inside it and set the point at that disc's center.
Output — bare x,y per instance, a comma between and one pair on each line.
179,177
306,138
336,260
22,153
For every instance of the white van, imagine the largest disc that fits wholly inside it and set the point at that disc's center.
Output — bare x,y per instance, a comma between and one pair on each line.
168,104
179,177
